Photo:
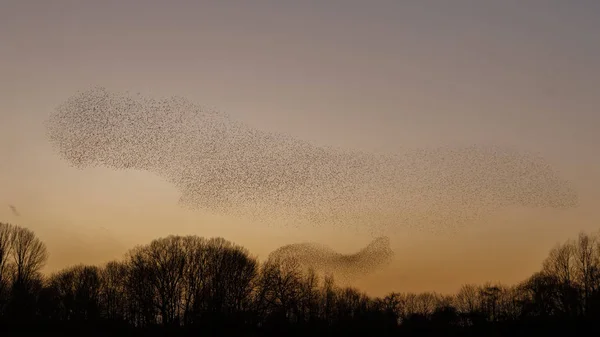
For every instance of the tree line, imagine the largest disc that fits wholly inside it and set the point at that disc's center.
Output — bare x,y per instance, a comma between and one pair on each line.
189,285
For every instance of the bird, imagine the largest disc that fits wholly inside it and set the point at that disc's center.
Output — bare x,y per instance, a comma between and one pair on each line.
14,210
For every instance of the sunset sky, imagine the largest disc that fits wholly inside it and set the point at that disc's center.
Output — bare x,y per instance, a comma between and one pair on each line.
367,75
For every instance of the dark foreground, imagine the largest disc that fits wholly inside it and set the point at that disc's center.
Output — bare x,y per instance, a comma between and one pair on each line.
191,286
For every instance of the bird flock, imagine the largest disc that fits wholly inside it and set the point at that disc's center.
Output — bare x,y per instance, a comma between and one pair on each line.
346,267
224,166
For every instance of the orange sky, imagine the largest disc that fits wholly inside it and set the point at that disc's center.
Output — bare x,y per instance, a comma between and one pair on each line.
364,75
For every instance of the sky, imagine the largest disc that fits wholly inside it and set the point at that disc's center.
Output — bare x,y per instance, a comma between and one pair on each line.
366,75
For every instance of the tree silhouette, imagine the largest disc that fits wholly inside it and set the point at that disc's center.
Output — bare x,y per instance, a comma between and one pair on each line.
6,232
22,255
29,254
188,285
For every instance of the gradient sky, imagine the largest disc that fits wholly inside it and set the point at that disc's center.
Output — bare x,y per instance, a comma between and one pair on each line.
370,75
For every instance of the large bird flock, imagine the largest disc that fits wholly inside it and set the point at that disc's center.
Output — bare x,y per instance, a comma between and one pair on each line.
346,267
224,166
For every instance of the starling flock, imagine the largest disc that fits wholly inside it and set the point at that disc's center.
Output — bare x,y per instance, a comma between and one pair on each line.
223,166
325,261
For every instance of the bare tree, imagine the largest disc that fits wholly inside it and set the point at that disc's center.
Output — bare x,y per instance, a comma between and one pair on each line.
195,275
140,287
29,255
78,290
391,305
113,295
542,293
328,297
6,233
230,277
467,300
425,304
160,265
407,305
587,261
309,296
279,288
561,262
63,284
351,303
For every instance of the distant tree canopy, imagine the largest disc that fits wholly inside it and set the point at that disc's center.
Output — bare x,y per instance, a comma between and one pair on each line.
188,285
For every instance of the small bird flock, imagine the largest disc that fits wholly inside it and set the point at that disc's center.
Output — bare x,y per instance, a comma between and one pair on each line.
223,166
325,261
